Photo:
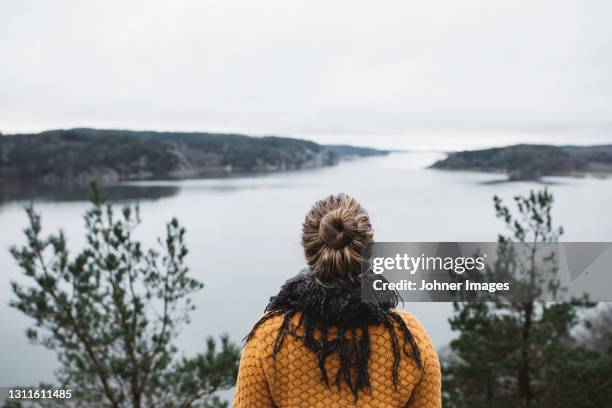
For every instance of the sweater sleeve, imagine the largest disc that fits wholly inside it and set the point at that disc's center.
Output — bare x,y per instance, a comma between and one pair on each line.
427,392
252,390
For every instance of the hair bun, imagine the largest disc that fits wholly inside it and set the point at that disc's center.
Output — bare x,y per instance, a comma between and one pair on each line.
337,236
337,228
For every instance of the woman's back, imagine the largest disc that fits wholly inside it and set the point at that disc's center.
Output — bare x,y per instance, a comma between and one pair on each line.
320,345
296,381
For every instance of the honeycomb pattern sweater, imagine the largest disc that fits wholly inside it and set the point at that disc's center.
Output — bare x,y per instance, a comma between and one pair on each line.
293,380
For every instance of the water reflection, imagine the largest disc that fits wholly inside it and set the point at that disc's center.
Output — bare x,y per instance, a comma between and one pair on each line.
29,192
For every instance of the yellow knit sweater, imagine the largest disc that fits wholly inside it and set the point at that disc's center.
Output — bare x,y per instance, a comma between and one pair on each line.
297,383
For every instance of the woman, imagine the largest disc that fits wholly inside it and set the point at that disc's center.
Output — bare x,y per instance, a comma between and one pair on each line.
318,345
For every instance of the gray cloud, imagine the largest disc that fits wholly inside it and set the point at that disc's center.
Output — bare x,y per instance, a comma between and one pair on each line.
529,69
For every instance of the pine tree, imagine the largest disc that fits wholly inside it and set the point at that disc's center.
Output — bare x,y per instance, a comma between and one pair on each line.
523,353
112,314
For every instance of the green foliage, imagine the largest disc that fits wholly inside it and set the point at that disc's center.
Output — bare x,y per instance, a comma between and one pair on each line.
522,354
113,311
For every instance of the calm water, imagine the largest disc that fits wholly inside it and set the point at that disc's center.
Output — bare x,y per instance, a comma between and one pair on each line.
244,234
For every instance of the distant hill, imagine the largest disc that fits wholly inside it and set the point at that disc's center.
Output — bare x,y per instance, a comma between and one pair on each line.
530,162
351,152
78,155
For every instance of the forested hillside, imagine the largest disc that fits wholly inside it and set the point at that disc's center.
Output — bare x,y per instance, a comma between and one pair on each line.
529,162
78,155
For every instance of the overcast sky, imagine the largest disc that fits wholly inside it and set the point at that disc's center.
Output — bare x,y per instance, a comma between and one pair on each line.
379,72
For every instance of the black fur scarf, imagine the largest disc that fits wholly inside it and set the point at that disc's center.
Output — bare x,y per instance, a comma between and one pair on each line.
321,306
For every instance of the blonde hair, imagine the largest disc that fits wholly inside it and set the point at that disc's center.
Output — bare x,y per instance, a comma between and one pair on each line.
337,237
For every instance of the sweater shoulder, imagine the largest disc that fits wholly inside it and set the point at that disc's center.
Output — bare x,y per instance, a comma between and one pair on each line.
411,321
267,331
427,350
